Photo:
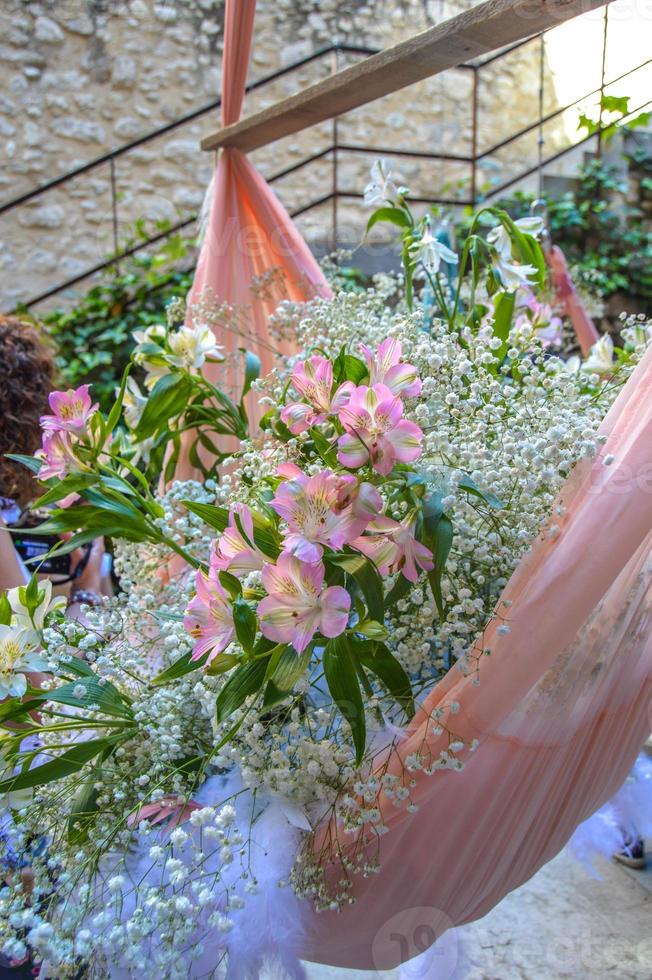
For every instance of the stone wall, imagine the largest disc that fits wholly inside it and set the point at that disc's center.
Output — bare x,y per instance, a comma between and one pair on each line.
80,78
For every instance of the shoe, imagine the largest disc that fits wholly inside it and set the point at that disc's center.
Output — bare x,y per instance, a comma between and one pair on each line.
632,854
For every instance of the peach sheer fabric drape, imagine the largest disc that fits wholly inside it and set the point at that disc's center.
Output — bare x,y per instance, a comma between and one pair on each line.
569,302
249,234
563,706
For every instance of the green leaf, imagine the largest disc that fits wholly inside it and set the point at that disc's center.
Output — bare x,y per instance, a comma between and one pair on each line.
231,584
615,103
504,310
440,545
106,696
395,216
408,269
266,540
222,664
290,667
642,120
246,624
342,679
373,630
245,681
587,123
266,421
30,595
184,665
466,483
169,398
114,415
5,610
354,369
110,516
66,764
29,461
284,668
327,451
70,484
437,535
264,646
366,577
527,247
84,806
217,517
252,371
400,589
378,659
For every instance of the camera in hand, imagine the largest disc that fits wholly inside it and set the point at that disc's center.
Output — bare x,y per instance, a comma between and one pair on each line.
32,546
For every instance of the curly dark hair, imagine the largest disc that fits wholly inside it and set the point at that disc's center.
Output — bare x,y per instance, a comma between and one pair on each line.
26,378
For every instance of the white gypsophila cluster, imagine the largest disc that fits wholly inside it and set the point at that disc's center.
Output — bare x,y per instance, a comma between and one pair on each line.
636,331
101,912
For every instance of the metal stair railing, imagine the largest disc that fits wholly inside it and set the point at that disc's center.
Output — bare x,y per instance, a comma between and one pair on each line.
333,151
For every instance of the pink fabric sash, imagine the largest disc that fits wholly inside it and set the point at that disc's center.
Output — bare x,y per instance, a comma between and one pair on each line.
570,303
249,233
562,709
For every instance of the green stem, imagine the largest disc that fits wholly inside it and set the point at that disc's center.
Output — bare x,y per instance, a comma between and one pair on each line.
193,562
441,299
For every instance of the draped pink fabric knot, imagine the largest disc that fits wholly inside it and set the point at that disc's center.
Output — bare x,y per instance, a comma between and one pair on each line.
249,233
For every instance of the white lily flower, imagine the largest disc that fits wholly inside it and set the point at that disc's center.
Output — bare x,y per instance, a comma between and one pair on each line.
514,275
133,403
154,368
153,372
573,364
499,236
600,359
21,617
381,189
431,252
192,345
141,450
17,654
154,334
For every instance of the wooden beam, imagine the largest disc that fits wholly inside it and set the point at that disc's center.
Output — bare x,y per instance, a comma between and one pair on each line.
484,28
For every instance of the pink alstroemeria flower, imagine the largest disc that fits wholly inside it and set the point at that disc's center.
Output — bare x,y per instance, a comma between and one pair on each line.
173,809
313,379
209,617
391,545
377,431
71,410
539,317
323,510
234,553
297,605
385,367
363,499
57,455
